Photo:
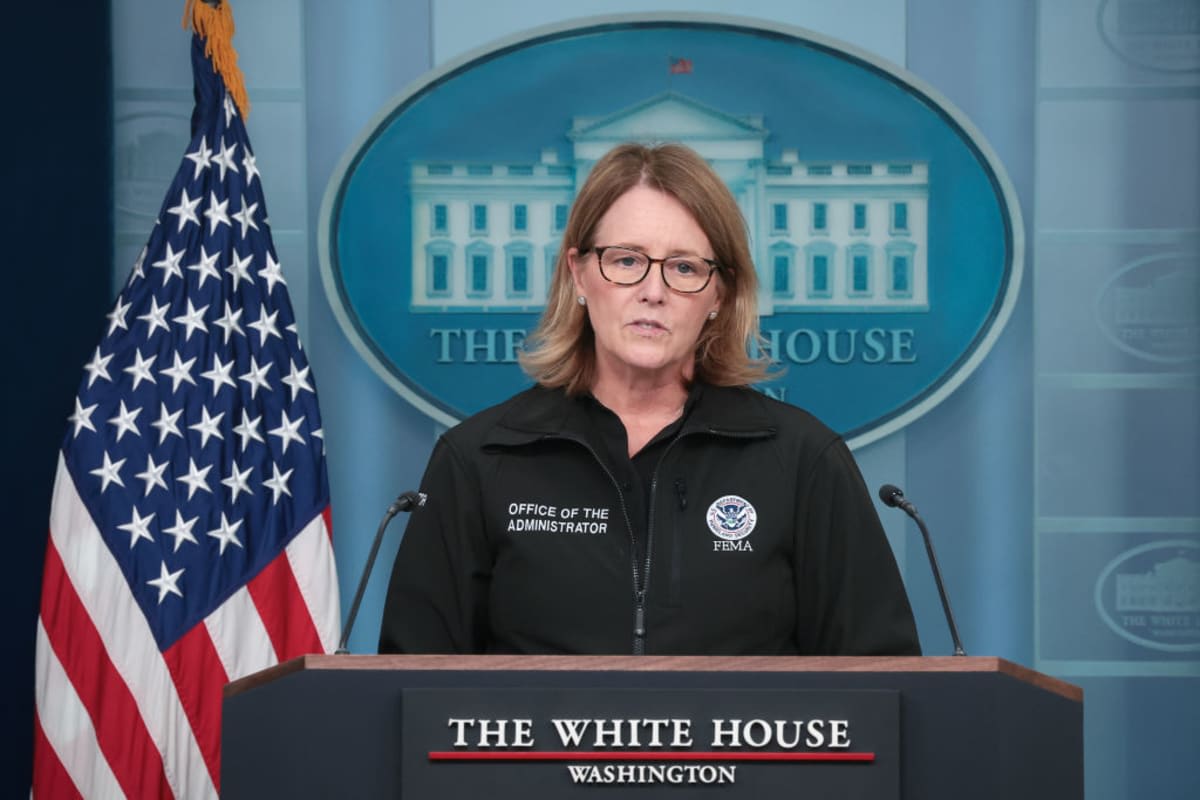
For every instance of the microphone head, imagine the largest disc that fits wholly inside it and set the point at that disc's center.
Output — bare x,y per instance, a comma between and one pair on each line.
407,501
891,495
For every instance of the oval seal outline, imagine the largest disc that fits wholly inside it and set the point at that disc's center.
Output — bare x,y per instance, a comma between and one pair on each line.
950,378
731,517
1111,567
1105,13
1107,290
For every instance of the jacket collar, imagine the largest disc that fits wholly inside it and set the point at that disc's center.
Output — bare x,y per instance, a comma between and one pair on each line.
538,413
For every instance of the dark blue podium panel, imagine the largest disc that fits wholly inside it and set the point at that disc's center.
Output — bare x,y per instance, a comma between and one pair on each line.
445,728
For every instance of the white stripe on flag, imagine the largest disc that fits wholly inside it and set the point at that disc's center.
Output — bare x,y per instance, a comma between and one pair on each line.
239,636
310,554
67,726
127,638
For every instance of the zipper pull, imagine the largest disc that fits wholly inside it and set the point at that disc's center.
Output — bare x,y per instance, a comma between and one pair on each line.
681,493
639,621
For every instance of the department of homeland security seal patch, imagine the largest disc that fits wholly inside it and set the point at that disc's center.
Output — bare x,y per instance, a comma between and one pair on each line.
731,517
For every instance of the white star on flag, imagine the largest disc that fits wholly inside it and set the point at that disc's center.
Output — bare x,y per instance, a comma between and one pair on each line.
219,374
256,377
138,272
208,427
201,157
82,418
153,475
186,210
125,421
297,381
226,533
205,267
181,531
245,217
156,317
116,317
169,264
239,268
265,325
138,527
98,367
192,321
287,431
229,322
167,583
180,372
272,273
216,213
140,368
249,165
278,483
166,423
248,429
238,482
109,472
224,159
196,478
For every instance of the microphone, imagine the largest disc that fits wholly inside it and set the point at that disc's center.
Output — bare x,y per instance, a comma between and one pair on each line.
893,496
407,501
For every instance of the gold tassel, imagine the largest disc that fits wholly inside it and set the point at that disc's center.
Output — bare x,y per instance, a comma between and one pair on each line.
215,26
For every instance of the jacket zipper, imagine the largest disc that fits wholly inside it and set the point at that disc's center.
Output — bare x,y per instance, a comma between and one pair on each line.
639,642
641,578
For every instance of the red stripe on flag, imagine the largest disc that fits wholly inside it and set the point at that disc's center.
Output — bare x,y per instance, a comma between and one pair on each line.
200,680
283,610
124,740
327,515
50,779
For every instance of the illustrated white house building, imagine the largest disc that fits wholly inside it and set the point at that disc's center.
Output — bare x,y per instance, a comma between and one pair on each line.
826,236
1168,300
1171,586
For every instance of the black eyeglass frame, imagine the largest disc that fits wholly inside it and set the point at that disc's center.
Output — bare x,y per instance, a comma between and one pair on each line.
650,262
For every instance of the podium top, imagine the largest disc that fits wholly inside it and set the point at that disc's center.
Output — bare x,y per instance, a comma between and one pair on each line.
539,663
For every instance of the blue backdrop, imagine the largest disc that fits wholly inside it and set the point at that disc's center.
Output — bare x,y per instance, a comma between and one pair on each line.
1070,454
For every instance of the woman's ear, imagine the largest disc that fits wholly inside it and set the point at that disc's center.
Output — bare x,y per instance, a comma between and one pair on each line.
575,264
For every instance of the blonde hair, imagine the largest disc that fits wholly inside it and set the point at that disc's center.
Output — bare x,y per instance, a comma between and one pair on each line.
561,351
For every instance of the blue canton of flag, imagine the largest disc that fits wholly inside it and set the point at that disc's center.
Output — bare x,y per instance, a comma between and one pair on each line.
189,533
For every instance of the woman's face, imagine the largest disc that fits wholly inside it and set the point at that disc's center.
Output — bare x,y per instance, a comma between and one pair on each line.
648,330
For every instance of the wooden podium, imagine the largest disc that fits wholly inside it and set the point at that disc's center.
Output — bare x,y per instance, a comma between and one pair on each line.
334,726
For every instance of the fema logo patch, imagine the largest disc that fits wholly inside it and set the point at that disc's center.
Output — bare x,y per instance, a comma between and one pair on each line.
731,518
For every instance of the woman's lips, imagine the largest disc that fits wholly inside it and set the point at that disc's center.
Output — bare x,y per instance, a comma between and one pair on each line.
648,326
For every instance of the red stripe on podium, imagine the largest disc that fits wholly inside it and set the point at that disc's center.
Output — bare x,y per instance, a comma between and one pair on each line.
640,755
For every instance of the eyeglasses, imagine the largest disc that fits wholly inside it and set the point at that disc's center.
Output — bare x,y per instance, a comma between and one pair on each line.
687,274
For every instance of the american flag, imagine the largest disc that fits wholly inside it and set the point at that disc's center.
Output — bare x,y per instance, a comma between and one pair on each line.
189,530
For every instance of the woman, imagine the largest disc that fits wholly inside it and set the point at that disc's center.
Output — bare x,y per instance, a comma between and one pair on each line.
641,498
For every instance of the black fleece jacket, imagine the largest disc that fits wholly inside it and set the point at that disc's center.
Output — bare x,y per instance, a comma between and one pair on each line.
761,539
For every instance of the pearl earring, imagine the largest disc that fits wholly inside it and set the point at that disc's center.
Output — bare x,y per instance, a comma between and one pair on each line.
712,315
582,300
